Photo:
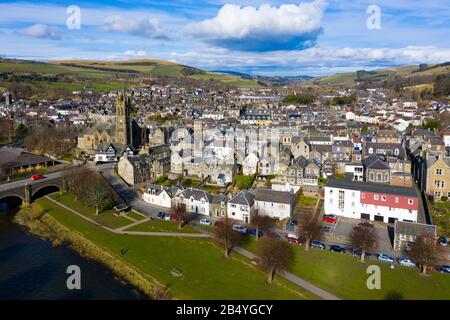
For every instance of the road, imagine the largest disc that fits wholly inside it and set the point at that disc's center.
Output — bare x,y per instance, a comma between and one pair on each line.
21,183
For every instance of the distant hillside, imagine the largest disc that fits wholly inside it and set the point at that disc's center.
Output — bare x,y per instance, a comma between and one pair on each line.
275,80
388,77
99,76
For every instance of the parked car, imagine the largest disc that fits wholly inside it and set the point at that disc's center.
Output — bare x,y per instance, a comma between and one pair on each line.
318,244
205,222
331,218
443,241
337,248
174,217
37,177
327,229
406,262
160,215
358,253
253,232
273,235
239,228
294,238
167,217
444,269
217,224
293,222
385,258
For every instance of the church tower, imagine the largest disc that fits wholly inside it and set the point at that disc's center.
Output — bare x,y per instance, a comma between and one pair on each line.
123,116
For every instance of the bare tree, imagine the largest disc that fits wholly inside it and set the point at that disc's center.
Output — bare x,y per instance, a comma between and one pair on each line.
310,228
261,223
363,236
97,193
76,180
275,256
423,250
182,215
225,234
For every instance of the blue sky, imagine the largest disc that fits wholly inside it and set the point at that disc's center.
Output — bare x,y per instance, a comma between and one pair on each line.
313,37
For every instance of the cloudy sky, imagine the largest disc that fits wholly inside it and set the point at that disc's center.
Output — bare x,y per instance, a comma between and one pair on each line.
313,37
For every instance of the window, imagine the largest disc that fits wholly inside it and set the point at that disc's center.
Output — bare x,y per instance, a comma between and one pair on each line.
396,199
383,198
439,172
410,201
375,197
341,199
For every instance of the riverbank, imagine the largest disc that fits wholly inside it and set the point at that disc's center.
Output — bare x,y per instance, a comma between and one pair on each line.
37,222
202,272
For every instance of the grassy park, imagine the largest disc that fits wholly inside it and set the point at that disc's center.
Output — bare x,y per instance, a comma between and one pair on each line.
345,277
206,274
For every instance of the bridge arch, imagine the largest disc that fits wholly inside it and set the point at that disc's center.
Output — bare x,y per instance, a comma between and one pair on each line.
44,190
9,201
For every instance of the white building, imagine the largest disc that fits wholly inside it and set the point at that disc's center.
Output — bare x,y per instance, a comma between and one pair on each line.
275,204
159,196
196,201
240,207
371,201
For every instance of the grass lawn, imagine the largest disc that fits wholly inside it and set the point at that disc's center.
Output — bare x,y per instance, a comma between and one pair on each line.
244,182
190,183
106,218
344,276
206,273
441,217
135,215
305,201
161,226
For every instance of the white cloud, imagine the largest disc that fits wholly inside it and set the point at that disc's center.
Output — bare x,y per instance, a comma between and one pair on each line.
266,28
132,53
42,31
140,26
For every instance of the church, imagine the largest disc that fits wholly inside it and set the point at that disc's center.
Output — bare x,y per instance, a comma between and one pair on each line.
124,132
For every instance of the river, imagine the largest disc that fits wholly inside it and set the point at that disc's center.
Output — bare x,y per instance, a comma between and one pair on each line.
31,268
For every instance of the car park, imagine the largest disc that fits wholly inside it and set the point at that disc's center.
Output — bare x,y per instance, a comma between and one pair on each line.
327,229
443,241
406,263
205,222
331,218
239,228
317,244
336,248
385,258
294,238
37,177
444,269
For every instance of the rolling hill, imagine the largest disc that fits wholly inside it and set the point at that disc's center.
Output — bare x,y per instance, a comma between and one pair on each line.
414,75
100,76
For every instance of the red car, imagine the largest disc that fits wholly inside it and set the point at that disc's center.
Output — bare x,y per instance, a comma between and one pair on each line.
331,218
174,218
293,238
217,224
37,177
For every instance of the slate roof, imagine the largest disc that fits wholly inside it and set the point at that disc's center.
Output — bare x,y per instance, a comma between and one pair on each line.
15,157
244,198
197,194
372,187
269,195
413,229
373,162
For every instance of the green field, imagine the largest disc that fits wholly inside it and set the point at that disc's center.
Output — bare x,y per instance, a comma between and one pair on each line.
106,218
100,75
161,226
206,273
345,277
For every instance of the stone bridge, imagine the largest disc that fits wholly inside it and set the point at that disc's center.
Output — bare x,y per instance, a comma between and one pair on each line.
28,190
